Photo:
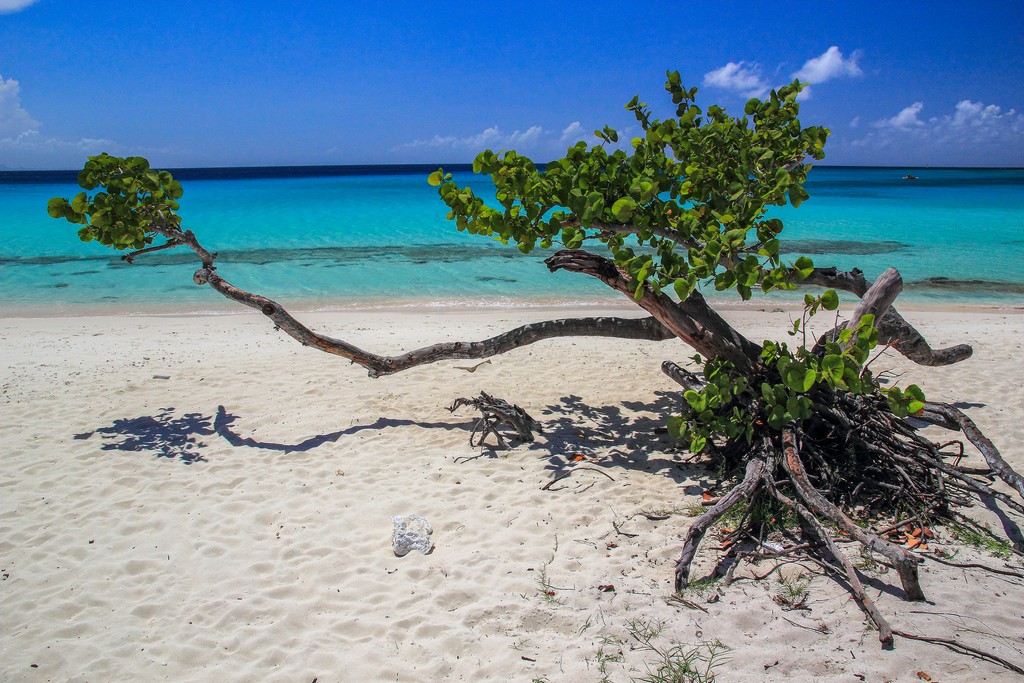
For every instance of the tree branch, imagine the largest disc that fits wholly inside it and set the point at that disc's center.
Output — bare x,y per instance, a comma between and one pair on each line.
132,255
981,442
682,376
691,320
892,327
624,229
879,298
378,365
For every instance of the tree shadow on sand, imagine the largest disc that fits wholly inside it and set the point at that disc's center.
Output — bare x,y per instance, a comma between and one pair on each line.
163,434
166,435
224,421
630,435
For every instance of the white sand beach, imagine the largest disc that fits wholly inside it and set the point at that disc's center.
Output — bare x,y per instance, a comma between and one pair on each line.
201,498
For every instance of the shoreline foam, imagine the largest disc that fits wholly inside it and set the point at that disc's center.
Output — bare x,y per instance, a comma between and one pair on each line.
218,306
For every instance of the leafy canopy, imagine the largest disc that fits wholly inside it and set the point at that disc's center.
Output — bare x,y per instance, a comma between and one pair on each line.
687,205
133,199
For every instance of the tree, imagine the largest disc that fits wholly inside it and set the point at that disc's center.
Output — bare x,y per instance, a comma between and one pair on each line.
807,429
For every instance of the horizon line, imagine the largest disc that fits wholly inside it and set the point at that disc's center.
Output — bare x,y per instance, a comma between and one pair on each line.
324,169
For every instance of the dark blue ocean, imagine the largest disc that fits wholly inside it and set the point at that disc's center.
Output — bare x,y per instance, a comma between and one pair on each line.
335,237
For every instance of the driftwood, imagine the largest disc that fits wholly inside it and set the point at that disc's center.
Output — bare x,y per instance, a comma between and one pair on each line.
494,412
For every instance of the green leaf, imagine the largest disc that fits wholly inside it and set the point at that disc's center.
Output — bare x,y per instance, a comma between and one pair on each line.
435,178
866,322
777,418
56,207
623,208
915,391
797,195
804,267
793,406
683,288
724,280
638,292
80,203
830,300
833,365
696,399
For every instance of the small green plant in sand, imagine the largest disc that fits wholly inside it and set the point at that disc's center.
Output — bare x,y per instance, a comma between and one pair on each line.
981,537
695,510
609,652
760,512
867,563
547,591
792,592
675,662
701,586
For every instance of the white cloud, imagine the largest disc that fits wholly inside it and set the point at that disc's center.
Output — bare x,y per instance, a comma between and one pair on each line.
23,146
489,138
905,120
831,64
746,78
976,114
8,6
33,150
571,133
739,77
855,122
14,120
32,140
972,133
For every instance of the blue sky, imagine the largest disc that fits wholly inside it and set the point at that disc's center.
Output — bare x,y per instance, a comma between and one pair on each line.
270,83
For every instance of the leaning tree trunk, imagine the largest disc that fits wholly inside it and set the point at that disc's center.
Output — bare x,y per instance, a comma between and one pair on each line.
852,453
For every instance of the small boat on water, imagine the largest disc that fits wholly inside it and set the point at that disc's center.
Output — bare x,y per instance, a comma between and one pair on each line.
910,176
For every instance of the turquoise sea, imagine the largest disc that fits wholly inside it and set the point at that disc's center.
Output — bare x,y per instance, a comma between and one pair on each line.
335,237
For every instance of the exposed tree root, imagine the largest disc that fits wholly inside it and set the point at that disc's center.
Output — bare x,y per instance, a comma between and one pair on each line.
856,588
982,443
752,479
852,463
494,412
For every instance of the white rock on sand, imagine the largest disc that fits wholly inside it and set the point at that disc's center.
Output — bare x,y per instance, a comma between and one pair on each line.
200,498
